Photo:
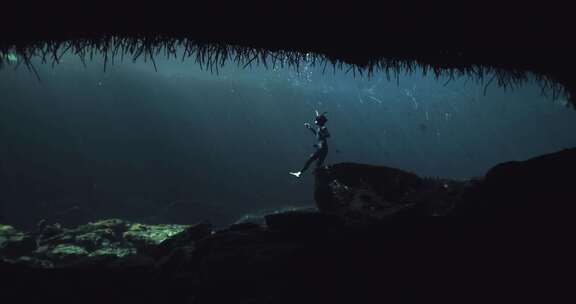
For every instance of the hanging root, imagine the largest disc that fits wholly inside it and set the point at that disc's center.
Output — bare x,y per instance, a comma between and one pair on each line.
213,56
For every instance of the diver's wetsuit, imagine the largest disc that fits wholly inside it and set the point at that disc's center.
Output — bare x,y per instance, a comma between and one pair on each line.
321,147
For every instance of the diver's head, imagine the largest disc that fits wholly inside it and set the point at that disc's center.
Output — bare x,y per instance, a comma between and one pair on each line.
320,119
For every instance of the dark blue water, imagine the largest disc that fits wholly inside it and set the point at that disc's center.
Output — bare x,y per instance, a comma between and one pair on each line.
181,144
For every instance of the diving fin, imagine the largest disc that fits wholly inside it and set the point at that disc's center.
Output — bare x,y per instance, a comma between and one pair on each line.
297,174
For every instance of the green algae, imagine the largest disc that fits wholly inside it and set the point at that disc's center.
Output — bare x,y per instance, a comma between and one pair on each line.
152,234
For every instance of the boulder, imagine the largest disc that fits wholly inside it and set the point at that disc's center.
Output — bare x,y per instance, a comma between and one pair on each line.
91,236
176,261
66,253
244,226
185,238
539,187
132,262
97,243
92,241
50,233
97,239
147,238
360,193
34,262
14,243
114,250
117,225
302,221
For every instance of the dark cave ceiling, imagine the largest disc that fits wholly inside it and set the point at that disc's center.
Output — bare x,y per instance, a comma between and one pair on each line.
471,38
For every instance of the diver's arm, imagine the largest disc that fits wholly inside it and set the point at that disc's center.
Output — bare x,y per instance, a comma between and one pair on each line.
309,127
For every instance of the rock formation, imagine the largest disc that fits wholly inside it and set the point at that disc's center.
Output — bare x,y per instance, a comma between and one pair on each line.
540,187
361,193
348,252
108,240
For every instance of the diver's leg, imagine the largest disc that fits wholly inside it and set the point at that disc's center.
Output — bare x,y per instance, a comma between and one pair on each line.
321,157
312,158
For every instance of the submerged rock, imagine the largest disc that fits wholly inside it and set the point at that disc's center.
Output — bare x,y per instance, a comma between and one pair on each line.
34,262
362,193
96,242
132,262
114,251
302,221
14,243
49,233
177,261
286,261
245,226
147,238
184,239
540,187
66,253
117,225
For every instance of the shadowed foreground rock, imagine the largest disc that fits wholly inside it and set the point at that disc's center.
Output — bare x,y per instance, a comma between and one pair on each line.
360,193
306,256
95,242
415,259
539,188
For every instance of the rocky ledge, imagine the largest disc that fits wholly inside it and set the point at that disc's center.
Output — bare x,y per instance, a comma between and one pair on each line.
363,194
369,242
538,187
110,240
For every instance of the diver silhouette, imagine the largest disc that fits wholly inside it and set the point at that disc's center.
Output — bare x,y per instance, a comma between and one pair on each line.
321,133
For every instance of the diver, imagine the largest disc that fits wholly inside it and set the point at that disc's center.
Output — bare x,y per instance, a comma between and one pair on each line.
321,133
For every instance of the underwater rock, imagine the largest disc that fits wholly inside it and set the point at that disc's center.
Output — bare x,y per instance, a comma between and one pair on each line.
132,262
114,250
33,262
539,187
244,226
272,264
147,238
49,232
92,236
258,216
176,261
19,247
99,242
14,243
117,225
96,239
304,221
185,238
66,253
7,233
364,194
